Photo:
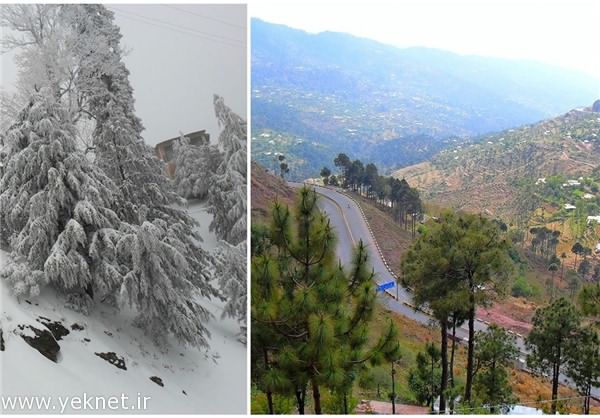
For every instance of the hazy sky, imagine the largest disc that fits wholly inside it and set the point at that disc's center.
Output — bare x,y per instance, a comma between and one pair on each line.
564,33
179,55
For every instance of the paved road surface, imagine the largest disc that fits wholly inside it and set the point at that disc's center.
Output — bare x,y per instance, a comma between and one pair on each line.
351,227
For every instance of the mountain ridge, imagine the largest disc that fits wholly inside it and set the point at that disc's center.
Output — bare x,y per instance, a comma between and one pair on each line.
345,92
495,173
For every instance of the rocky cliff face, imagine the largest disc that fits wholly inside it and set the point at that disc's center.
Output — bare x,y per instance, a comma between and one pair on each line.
596,106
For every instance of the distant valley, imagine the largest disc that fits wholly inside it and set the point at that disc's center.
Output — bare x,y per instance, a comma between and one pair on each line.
314,96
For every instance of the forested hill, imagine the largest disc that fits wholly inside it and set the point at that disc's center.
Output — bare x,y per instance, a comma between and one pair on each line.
315,95
498,173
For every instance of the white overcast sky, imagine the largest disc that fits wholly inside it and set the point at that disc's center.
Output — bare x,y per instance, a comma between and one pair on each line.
563,33
179,55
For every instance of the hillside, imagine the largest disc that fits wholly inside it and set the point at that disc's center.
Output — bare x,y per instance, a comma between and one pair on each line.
266,188
315,95
512,313
103,355
497,174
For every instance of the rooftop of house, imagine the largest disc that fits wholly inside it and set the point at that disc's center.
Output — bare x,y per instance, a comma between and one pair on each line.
195,137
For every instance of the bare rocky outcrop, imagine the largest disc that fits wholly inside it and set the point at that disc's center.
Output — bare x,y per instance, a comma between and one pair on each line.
56,327
112,358
158,381
40,339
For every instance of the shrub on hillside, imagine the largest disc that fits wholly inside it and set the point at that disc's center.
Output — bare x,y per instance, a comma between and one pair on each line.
522,288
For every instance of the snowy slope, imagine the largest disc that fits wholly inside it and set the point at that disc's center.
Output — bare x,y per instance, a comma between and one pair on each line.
214,381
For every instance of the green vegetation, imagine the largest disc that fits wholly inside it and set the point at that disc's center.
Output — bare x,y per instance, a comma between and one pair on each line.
589,300
461,262
522,288
310,316
495,350
551,339
583,365
396,195
562,341
424,379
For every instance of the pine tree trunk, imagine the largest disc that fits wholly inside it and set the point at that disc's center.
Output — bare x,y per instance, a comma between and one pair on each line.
300,397
493,387
451,368
471,349
345,403
432,386
586,400
444,382
316,397
269,393
270,402
555,375
393,389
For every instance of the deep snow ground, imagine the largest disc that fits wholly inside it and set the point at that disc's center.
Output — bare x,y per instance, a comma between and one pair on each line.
214,380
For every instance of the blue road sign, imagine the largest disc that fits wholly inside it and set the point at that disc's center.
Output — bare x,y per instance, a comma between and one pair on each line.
386,286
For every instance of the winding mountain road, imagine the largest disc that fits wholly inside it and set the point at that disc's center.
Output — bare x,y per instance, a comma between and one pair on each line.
351,227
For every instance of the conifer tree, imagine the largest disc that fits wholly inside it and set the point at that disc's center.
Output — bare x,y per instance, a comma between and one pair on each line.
430,271
162,285
320,311
554,330
462,258
424,379
227,195
56,207
485,267
583,365
69,220
266,341
119,147
196,166
495,350
231,271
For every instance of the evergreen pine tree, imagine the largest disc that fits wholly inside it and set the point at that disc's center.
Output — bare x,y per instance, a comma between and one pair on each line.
161,285
424,379
583,365
119,147
83,227
196,166
319,311
554,330
57,208
495,350
227,195
231,271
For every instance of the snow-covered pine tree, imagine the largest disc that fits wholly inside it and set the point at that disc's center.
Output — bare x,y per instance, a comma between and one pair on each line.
196,166
56,207
98,83
231,270
227,196
119,147
161,286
